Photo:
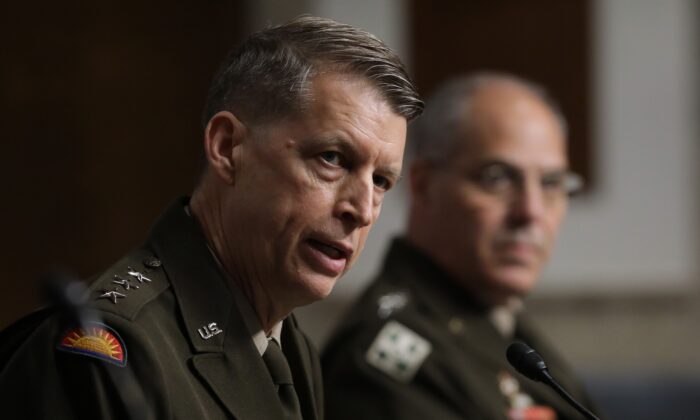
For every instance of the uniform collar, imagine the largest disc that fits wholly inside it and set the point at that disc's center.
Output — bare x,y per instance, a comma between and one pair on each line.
260,339
250,318
504,317
225,356
440,298
416,269
200,287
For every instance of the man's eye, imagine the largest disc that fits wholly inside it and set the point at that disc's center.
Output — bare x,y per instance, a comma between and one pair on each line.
331,157
495,177
381,182
554,183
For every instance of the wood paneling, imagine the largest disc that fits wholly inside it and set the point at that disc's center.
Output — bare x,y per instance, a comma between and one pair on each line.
547,41
100,108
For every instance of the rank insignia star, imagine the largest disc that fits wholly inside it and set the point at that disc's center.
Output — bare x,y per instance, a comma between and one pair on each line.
138,275
123,282
95,340
112,294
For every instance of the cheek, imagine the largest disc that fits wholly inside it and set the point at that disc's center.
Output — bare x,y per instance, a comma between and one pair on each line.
364,232
481,221
553,223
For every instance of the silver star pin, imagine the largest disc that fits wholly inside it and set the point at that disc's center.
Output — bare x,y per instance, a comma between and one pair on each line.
138,275
112,294
123,282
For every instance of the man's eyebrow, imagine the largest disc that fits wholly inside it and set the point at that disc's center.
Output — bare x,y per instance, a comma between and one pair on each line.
338,141
390,172
511,165
496,162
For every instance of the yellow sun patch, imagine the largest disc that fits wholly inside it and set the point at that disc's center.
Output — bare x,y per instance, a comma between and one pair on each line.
95,340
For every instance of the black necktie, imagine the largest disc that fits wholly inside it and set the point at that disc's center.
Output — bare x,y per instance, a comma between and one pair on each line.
282,378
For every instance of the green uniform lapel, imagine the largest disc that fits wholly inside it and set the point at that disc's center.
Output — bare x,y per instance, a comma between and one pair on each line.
228,362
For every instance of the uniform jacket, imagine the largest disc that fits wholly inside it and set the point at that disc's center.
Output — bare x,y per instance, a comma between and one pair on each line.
459,377
176,346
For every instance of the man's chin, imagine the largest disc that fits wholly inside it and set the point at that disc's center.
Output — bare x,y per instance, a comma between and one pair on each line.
514,282
317,287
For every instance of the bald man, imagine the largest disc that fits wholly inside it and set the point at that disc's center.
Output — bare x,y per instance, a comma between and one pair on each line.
489,188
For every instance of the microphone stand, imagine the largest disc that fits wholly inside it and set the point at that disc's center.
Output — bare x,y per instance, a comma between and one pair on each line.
549,380
531,365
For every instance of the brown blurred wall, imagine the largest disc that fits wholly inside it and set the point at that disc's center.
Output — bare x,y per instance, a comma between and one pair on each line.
100,106
547,41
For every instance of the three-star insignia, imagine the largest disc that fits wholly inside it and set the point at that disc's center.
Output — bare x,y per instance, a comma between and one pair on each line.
133,280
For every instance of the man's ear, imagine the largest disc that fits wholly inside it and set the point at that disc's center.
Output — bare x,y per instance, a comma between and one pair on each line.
419,174
222,137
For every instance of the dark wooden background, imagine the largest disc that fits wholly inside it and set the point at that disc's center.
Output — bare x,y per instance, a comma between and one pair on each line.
100,105
547,41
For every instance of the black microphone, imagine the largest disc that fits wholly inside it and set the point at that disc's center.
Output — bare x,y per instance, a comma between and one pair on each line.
64,291
530,364
69,295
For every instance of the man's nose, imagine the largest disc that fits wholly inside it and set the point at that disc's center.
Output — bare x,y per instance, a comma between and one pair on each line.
528,204
356,202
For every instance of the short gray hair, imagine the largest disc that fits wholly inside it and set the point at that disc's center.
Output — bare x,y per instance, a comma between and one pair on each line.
268,74
436,135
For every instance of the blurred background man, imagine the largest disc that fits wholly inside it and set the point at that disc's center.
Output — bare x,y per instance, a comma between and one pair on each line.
489,187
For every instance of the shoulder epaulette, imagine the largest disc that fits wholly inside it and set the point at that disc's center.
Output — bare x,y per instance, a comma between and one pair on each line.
129,284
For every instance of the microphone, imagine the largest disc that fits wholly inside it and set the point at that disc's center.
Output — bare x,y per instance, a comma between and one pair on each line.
64,291
69,295
531,365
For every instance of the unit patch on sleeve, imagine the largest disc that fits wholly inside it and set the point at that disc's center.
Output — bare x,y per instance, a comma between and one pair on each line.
398,351
95,340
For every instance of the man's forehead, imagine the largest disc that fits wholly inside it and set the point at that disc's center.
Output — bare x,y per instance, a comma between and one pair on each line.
535,153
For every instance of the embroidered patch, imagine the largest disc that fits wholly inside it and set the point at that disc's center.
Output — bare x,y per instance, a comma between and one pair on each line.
96,340
398,351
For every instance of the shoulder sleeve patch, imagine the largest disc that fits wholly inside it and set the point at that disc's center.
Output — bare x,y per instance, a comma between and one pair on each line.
95,340
398,351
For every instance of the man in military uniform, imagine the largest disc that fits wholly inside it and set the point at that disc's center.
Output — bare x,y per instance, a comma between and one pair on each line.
489,186
304,133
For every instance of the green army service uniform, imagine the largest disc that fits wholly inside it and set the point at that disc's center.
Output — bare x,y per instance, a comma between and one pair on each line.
168,332
416,346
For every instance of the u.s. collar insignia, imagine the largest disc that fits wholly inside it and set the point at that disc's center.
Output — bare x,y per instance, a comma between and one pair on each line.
398,351
95,340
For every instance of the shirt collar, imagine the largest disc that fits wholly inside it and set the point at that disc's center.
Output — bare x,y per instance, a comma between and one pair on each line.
503,317
250,318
